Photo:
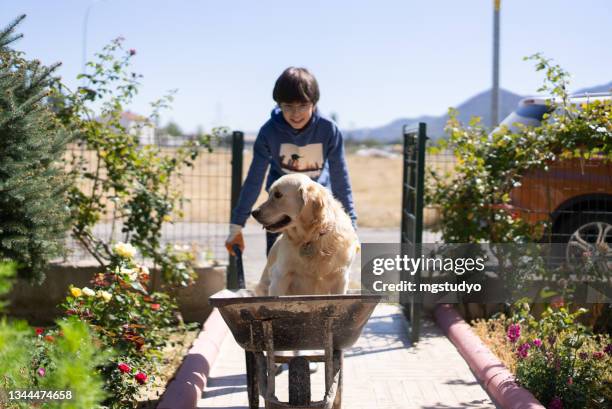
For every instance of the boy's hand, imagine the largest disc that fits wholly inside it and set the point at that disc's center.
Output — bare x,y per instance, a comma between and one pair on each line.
234,237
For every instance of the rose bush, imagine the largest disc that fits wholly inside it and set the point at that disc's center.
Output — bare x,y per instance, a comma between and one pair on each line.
555,357
126,317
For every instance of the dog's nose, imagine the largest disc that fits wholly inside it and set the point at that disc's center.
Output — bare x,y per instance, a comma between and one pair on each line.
255,213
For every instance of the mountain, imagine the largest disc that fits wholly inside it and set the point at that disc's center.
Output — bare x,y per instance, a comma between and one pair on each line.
598,88
478,105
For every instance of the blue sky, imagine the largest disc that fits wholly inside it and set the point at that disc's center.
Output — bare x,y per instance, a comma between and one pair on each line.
375,60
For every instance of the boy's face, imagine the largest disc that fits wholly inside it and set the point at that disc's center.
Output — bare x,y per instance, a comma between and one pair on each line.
297,114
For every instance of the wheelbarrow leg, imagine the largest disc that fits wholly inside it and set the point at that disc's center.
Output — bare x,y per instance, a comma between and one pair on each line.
251,375
338,364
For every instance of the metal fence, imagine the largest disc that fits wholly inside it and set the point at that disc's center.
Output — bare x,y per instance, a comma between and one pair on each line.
206,191
570,201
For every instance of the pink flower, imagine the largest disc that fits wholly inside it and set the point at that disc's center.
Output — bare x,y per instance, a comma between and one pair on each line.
123,367
537,342
41,372
570,381
141,378
556,403
155,307
523,350
514,332
598,355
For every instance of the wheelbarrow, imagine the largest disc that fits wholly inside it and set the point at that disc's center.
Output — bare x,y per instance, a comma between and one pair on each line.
263,326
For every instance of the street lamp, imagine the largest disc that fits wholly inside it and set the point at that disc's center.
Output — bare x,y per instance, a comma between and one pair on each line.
85,21
495,88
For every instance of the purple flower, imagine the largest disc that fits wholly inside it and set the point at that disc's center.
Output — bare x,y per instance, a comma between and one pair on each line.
514,332
552,339
41,372
523,350
132,51
556,403
583,355
537,342
608,349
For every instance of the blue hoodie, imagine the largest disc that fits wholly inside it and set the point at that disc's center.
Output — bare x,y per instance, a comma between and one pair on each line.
316,151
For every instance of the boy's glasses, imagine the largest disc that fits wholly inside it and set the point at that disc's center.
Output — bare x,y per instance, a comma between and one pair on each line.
295,108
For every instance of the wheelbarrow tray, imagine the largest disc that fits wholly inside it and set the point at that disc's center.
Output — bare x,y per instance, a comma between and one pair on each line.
298,322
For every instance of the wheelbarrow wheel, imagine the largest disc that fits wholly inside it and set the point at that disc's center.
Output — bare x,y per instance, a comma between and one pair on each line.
251,374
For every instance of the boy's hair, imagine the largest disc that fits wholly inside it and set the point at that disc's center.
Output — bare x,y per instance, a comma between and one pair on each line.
296,85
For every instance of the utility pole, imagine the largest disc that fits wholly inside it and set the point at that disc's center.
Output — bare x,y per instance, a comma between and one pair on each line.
84,50
495,89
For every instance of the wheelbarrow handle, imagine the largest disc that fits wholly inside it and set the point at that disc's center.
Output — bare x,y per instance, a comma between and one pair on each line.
239,266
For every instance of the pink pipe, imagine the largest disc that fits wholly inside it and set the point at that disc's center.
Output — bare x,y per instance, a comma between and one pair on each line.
186,388
496,378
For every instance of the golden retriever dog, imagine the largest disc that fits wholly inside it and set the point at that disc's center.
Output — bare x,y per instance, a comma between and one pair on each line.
318,242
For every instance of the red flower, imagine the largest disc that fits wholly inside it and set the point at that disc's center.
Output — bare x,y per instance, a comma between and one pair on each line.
155,307
39,331
598,355
141,378
123,367
49,338
557,302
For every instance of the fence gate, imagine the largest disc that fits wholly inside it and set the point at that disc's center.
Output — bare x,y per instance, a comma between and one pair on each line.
413,181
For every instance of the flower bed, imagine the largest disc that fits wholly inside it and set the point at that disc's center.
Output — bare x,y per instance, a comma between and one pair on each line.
556,358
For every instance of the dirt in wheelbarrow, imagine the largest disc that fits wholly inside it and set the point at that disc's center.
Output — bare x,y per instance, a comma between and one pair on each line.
180,341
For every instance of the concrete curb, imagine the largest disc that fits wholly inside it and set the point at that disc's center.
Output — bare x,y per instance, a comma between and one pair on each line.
496,378
186,388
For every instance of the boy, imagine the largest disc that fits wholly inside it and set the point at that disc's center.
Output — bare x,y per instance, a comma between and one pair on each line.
295,139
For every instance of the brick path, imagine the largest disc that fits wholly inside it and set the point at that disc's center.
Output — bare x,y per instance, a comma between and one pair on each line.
382,370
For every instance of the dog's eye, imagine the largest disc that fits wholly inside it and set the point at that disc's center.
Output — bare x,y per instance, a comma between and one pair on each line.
278,194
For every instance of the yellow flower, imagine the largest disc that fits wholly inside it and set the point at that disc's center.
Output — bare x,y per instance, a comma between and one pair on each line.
76,292
125,250
167,218
105,295
88,292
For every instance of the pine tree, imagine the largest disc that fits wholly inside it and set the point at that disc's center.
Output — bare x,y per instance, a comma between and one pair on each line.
34,210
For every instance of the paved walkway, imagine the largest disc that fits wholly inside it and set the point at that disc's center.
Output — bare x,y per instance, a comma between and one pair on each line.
382,370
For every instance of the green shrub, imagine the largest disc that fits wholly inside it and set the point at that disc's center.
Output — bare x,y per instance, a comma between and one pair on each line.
560,361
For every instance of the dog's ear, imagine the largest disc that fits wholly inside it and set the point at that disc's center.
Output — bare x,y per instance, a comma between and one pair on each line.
314,201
